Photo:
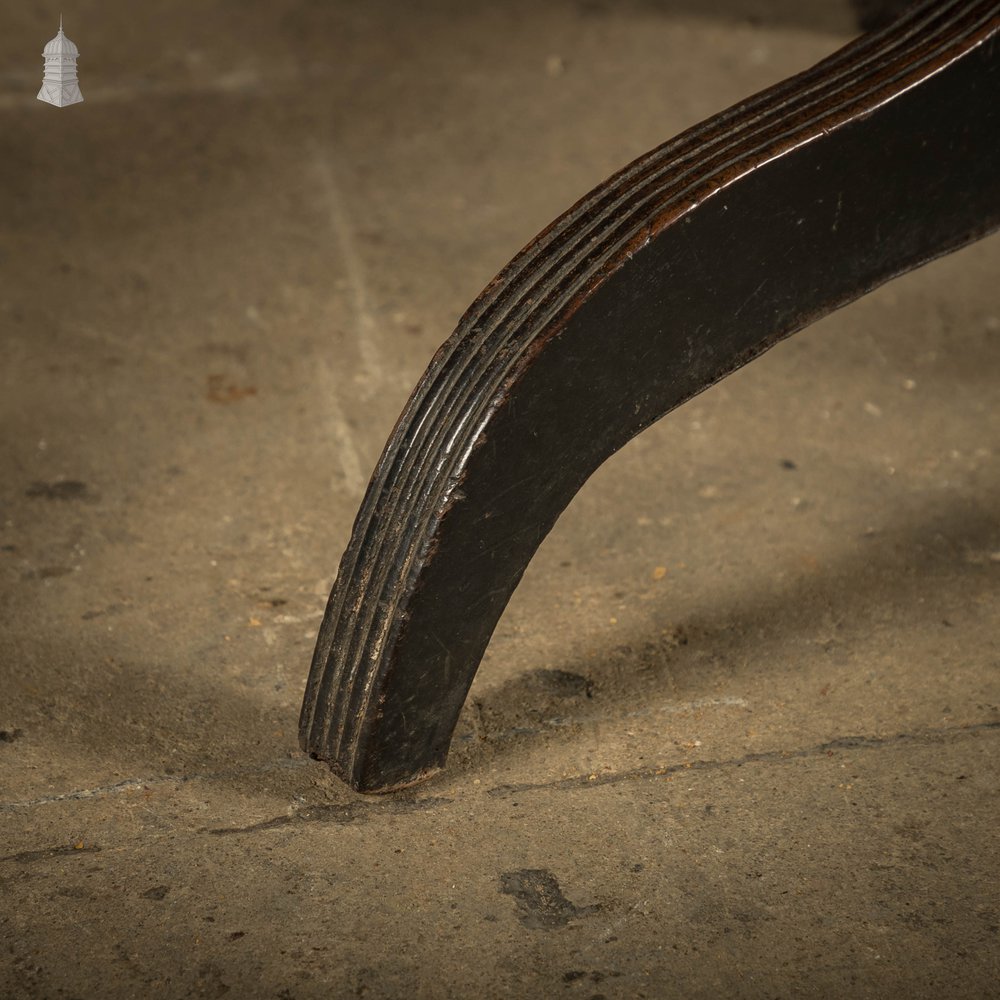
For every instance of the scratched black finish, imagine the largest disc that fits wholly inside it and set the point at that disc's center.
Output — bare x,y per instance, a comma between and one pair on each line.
681,268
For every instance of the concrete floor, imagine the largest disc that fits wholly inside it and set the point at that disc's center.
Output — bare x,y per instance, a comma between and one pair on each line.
737,734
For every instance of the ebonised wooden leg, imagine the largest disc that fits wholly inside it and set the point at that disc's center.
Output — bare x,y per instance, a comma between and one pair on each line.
681,268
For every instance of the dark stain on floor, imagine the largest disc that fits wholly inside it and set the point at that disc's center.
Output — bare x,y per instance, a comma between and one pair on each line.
562,683
541,904
27,857
60,489
349,812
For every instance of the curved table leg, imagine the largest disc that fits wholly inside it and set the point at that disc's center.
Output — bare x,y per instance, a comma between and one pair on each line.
676,271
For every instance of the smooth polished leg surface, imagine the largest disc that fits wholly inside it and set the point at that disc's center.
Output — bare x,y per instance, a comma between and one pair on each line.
678,270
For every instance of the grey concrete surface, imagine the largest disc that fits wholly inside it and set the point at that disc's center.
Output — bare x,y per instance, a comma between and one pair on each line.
737,734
